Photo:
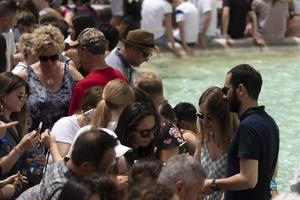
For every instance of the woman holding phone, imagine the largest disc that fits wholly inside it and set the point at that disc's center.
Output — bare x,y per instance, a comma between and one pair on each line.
15,143
66,128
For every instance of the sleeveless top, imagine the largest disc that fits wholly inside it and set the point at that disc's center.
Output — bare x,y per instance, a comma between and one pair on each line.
213,169
47,106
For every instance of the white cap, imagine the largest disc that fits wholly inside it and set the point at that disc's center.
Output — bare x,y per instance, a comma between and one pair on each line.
120,149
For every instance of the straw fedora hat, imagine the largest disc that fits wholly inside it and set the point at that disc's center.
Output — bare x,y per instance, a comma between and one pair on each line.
140,38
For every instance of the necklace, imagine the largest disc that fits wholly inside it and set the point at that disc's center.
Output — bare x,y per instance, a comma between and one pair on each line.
50,82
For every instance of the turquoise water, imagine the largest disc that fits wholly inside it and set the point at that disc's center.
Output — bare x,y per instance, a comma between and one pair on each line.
185,80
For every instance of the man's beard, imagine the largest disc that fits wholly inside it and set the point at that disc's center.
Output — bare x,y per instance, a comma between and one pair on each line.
234,103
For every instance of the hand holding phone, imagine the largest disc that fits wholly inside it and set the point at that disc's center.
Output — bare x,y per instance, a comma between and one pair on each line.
183,147
88,116
39,129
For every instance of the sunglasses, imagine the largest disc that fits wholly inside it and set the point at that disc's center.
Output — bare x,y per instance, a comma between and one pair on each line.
21,96
46,58
202,116
146,54
145,133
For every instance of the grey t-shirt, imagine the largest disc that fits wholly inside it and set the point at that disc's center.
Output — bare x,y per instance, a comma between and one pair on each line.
117,61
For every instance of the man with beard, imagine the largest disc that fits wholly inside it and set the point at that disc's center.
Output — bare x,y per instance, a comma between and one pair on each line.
253,152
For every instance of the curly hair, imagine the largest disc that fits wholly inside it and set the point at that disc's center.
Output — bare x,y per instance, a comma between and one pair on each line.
47,37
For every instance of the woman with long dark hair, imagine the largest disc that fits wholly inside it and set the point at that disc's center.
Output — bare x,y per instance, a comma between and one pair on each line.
13,94
137,127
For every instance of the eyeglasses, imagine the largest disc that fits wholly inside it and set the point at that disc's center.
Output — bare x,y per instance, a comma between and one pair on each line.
22,97
225,90
46,58
145,132
202,116
146,54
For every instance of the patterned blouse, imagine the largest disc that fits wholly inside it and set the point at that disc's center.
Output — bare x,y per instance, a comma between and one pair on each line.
213,168
47,106
170,136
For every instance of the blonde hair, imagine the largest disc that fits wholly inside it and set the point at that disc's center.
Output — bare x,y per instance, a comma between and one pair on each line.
47,37
26,41
150,82
116,94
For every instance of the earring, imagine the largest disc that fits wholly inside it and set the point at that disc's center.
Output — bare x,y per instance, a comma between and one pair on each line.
1,108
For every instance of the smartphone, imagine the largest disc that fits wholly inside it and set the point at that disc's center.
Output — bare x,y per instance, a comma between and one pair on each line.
182,148
88,115
39,129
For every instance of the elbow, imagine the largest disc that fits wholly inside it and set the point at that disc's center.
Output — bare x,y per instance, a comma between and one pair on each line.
207,17
251,183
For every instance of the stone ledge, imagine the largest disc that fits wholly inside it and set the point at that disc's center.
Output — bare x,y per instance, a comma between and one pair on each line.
248,42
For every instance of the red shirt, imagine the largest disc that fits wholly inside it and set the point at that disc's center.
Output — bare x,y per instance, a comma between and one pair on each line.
95,78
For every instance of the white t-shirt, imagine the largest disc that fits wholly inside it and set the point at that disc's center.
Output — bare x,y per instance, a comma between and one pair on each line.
188,13
10,47
153,14
65,129
19,67
203,7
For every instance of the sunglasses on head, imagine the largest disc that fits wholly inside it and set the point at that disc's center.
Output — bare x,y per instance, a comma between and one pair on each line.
202,116
145,132
46,58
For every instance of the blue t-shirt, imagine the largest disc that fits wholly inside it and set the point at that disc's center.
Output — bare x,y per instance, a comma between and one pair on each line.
257,138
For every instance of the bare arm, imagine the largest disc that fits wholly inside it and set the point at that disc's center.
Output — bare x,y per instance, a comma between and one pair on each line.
74,72
253,18
63,148
183,38
169,32
167,153
49,142
256,36
206,21
54,150
246,179
197,153
4,126
225,21
27,142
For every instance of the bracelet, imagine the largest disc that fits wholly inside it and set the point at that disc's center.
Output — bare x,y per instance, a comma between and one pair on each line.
18,151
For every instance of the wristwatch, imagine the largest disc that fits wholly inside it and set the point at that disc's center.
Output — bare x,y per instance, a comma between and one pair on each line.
214,186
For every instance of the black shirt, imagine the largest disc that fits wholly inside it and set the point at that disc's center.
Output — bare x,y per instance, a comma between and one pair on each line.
257,138
237,16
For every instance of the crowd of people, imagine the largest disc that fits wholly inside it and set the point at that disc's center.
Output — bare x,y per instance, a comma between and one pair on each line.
78,121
